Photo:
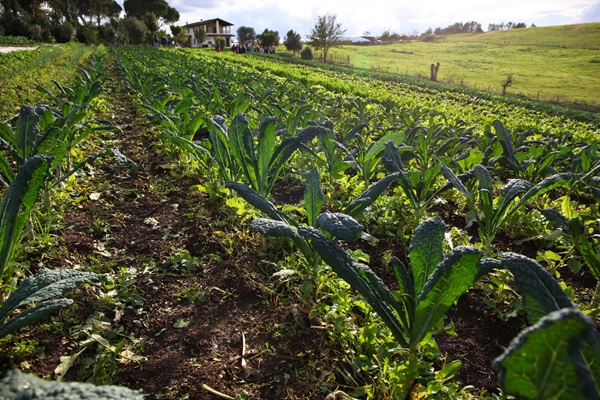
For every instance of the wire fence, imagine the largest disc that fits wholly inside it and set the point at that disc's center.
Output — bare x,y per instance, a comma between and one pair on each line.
540,96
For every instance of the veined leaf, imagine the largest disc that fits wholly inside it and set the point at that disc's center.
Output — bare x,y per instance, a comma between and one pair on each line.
17,385
20,197
220,143
39,288
53,148
391,159
286,149
545,360
193,126
541,293
509,192
405,281
7,144
193,148
544,186
369,195
486,190
345,267
255,199
341,226
507,145
273,228
385,294
354,132
266,147
7,138
295,116
44,285
589,254
27,130
406,291
182,105
242,148
426,250
557,219
379,146
31,315
313,196
457,183
453,276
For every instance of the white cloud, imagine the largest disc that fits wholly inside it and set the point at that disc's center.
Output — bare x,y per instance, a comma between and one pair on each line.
591,13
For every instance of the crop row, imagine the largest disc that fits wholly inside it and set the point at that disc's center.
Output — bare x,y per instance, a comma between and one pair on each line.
376,159
42,147
22,72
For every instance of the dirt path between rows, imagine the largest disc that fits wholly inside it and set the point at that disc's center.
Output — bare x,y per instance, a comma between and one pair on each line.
8,49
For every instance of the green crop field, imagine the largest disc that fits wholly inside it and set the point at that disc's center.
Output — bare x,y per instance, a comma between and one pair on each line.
187,223
556,64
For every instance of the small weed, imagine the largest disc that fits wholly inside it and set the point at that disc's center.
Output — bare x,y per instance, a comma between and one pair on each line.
192,295
102,350
180,263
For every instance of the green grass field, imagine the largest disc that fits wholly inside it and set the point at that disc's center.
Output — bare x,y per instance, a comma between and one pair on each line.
560,63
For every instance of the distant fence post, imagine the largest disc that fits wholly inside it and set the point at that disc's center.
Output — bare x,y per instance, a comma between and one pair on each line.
434,72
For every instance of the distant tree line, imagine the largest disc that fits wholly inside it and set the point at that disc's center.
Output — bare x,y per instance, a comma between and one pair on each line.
459,27
391,37
88,21
509,25
431,34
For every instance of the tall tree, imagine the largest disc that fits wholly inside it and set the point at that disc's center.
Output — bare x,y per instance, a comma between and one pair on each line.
179,34
268,38
135,30
245,35
293,41
326,33
160,9
97,9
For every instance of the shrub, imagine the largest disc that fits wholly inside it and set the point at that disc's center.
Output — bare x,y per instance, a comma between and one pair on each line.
64,32
109,33
307,53
136,30
87,33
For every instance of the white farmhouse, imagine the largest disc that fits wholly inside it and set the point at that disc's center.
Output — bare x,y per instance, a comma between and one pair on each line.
213,28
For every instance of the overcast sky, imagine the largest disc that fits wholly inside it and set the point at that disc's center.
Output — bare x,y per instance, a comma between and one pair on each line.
377,16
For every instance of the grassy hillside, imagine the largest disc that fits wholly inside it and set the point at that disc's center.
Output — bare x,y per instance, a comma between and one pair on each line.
579,36
557,64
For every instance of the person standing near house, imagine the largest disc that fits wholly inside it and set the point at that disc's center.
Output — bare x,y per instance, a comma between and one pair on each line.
156,41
